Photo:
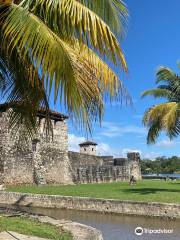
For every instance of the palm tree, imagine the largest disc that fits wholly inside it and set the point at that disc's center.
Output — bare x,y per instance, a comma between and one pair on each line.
164,116
57,47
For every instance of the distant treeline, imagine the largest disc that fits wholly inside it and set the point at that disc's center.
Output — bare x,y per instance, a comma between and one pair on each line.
161,165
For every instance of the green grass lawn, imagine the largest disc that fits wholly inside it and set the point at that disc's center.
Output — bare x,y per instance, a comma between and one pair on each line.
146,190
26,226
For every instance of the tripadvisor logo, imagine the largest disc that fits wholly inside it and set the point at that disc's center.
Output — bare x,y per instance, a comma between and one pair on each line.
139,231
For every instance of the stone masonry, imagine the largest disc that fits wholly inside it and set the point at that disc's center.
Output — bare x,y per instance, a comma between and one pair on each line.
41,161
46,160
134,165
88,147
89,168
16,162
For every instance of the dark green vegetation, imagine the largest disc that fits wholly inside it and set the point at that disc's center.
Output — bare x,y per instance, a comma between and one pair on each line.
164,116
161,165
147,190
33,228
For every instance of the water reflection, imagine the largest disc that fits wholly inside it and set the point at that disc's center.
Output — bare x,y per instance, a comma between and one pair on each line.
116,227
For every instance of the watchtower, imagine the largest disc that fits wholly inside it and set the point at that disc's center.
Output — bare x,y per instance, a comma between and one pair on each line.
88,147
42,160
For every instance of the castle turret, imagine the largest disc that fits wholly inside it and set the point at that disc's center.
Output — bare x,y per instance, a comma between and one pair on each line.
88,147
42,160
134,165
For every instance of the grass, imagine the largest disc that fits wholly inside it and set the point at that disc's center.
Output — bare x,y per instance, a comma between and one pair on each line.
146,190
26,226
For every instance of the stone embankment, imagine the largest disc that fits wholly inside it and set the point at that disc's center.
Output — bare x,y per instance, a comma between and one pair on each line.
79,231
154,209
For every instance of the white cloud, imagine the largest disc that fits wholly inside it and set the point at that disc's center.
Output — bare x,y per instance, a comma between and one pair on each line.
166,143
133,129
74,141
144,155
103,149
151,155
106,149
111,129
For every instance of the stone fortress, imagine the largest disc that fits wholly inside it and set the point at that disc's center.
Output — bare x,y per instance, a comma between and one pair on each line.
48,161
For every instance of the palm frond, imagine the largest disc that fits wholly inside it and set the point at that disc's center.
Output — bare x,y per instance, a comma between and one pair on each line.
157,93
165,74
154,132
70,17
162,117
58,62
23,99
109,82
170,120
113,12
166,116
39,32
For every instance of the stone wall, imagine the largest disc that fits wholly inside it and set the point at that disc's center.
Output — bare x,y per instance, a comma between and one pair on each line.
46,160
43,160
89,169
134,165
90,150
16,159
91,174
89,204
53,154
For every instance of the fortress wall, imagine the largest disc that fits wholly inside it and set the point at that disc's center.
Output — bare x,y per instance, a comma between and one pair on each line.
44,160
95,174
79,159
16,164
54,155
89,168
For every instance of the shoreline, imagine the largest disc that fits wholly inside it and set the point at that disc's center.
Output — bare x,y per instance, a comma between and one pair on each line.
78,231
123,207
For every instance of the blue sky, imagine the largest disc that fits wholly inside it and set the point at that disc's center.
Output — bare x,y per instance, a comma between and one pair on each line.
153,39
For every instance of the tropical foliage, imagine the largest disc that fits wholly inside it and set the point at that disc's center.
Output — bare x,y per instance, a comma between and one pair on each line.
164,116
161,165
58,48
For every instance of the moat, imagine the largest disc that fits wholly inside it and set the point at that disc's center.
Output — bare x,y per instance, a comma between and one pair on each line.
116,227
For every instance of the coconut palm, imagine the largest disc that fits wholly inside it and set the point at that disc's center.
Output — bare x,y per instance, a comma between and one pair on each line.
57,46
164,116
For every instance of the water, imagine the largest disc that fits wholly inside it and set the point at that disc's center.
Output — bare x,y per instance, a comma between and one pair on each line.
173,175
116,227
